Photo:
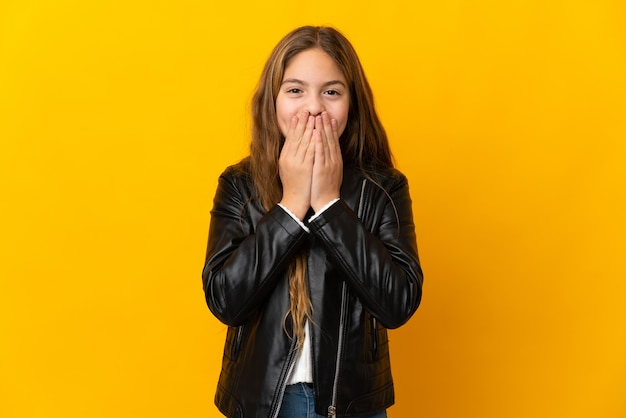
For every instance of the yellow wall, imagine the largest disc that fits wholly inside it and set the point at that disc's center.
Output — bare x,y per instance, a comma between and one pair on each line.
116,117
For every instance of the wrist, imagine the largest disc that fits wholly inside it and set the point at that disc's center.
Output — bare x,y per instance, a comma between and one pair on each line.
322,203
297,210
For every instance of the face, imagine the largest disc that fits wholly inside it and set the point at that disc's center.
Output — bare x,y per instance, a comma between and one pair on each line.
313,83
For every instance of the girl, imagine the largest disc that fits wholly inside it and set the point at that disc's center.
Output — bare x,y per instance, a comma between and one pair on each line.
312,253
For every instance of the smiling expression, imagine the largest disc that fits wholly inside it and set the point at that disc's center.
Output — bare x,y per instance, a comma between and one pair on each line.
314,83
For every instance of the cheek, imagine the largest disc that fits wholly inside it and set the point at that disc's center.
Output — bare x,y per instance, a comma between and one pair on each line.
283,115
341,114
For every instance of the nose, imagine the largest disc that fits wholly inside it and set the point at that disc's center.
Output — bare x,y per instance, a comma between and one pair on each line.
314,106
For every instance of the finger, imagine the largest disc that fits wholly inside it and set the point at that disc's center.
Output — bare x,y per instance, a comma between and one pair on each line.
330,127
319,125
301,125
335,128
329,138
313,148
334,143
308,129
293,123
331,134
320,155
297,126
305,140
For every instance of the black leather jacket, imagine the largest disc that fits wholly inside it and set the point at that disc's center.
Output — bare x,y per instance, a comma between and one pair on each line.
363,274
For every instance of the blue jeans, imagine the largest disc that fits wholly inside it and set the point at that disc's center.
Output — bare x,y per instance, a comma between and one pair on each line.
299,402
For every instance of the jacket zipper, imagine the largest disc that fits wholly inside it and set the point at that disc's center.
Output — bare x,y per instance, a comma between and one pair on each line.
332,408
283,384
374,338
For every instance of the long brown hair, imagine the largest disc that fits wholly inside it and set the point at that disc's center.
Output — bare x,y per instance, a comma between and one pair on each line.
363,143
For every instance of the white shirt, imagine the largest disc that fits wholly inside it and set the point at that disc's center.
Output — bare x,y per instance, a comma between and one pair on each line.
302,370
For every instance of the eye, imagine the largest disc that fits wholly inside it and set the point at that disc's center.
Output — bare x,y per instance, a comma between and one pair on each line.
332,93
294,90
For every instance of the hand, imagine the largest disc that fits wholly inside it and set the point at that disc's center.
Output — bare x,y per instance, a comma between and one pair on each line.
295,164
328,163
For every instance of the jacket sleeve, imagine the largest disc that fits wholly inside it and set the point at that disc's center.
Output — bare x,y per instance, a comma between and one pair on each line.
382,266
244,260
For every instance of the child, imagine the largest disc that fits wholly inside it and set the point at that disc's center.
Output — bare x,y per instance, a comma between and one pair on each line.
312,253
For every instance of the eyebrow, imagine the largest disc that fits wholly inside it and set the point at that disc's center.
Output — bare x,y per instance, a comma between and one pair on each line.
302,83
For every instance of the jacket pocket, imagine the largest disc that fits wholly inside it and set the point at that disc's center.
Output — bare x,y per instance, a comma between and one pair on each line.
374,331
378,343
234,340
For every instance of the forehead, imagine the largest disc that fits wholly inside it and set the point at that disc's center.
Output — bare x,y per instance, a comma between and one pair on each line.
313,64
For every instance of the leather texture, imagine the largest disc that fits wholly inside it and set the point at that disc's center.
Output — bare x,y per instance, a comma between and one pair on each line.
366,240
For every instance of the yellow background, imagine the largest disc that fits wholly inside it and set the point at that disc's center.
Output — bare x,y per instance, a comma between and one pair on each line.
508,117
